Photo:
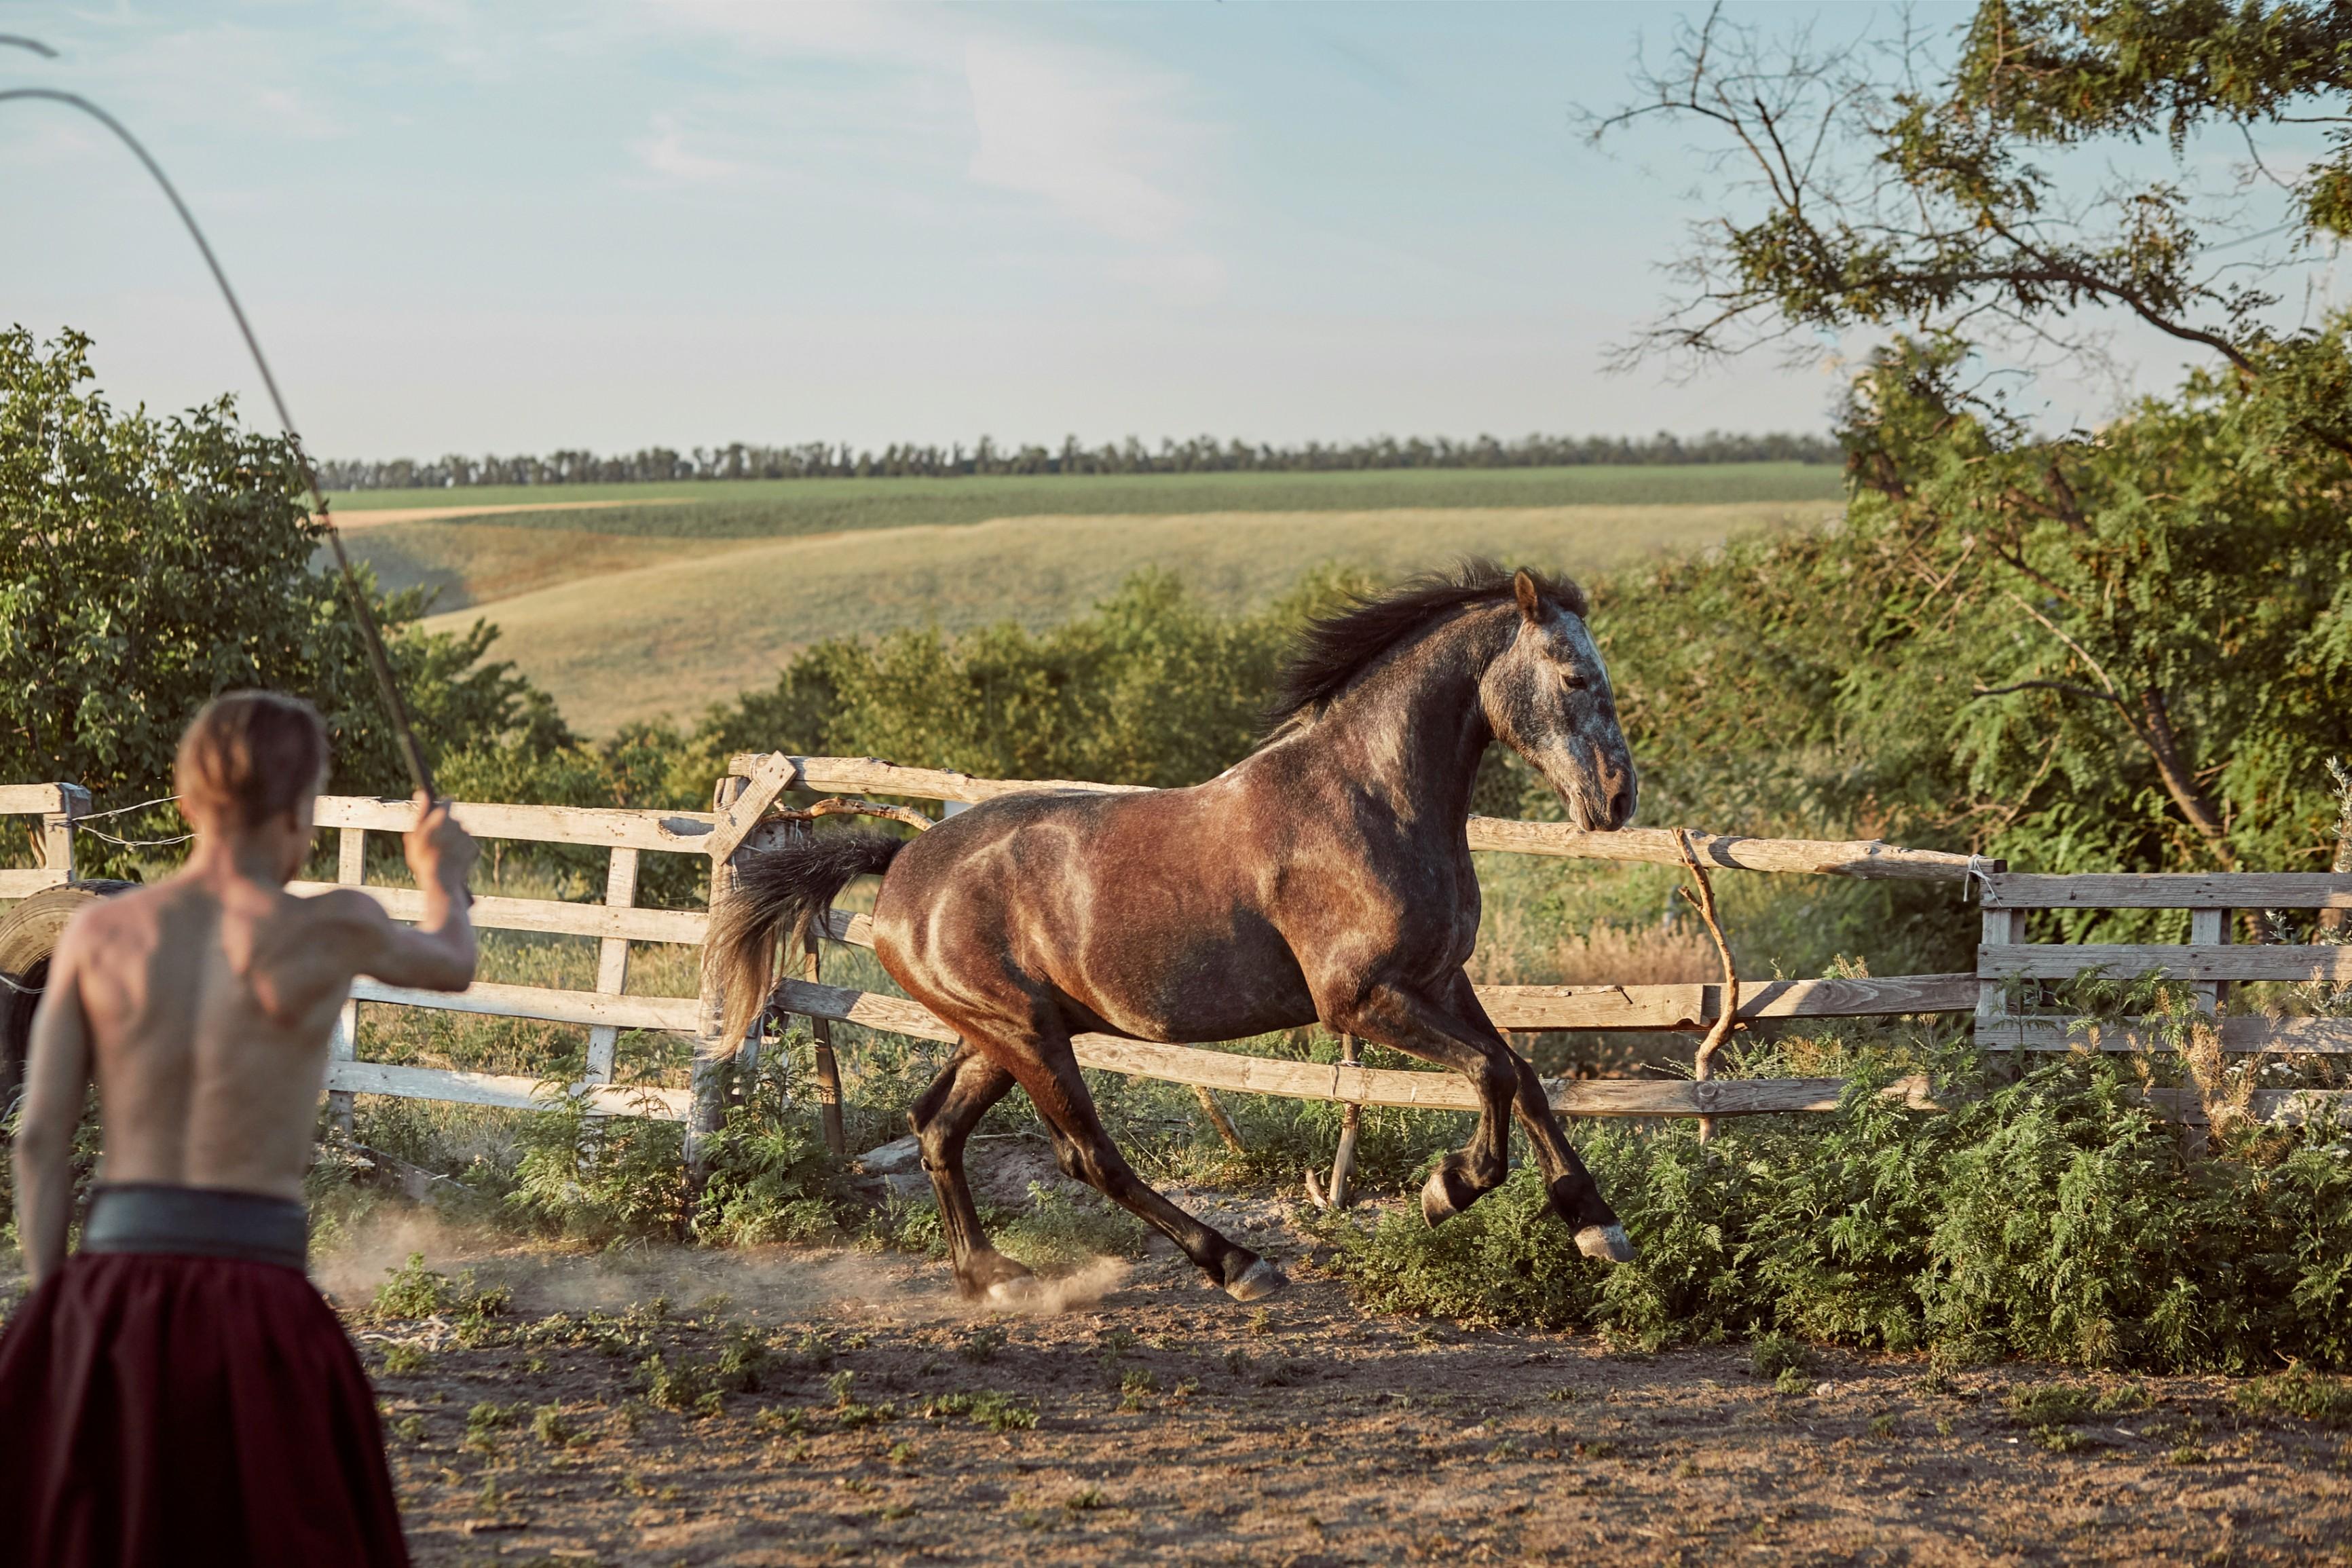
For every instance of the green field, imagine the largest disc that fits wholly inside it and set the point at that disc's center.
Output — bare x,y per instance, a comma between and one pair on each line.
757,508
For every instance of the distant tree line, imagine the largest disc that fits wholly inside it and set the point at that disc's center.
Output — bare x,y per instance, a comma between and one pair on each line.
1200,455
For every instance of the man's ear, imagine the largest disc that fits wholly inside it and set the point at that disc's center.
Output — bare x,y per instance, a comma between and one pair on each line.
1523,588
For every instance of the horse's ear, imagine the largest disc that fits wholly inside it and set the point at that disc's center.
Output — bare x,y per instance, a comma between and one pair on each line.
1530,598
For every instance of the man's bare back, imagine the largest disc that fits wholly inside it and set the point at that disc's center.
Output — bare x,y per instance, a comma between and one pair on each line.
203,1006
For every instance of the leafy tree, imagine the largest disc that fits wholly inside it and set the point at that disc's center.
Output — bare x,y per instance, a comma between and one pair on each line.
2086,649
146,564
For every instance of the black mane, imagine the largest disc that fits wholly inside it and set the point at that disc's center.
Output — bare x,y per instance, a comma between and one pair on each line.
1334,649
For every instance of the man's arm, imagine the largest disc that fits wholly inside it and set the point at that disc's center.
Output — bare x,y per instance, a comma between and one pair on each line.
437,953
56,1083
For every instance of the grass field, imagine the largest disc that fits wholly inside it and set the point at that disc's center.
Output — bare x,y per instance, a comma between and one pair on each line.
622,627
755,509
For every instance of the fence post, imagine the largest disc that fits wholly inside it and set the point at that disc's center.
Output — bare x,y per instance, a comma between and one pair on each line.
2002,928
57,830
343,1045
711,1047
2209,928
612,963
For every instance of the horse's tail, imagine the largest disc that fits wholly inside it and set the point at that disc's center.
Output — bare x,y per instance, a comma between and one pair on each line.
781,891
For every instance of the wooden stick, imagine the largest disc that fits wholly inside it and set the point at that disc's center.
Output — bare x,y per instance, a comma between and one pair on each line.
1728,1019
1219,1121
828,1070
1343,1163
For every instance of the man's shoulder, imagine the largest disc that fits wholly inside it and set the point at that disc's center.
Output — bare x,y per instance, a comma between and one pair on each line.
337,906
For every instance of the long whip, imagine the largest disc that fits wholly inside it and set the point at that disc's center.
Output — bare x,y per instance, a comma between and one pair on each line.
378,660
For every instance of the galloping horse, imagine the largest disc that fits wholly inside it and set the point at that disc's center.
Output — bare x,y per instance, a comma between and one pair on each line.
1325,877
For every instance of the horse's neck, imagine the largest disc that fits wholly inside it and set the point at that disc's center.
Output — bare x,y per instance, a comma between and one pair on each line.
1413,729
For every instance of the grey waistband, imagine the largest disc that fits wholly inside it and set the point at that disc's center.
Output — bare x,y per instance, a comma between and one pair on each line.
196,1221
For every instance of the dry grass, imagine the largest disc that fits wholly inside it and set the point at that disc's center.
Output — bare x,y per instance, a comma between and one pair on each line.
619,642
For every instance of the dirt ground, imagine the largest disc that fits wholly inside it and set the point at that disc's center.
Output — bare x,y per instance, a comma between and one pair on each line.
1161,1422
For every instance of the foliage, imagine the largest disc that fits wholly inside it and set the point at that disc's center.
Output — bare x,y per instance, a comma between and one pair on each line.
1058,1231
2052,1217
413,1290
147,564
2120,649
608,1179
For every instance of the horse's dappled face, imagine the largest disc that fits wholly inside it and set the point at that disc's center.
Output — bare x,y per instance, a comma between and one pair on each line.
1548,698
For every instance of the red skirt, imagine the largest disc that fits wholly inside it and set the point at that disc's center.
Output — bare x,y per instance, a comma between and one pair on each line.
160,1410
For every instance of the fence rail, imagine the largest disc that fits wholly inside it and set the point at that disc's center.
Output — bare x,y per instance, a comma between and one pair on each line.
2006,962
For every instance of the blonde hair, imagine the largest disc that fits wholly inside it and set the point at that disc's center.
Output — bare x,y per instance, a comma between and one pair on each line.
250,755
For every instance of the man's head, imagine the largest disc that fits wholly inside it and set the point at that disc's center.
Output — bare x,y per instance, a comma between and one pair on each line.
249,768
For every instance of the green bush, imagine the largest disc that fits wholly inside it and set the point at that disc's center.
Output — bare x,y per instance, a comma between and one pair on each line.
2052,1217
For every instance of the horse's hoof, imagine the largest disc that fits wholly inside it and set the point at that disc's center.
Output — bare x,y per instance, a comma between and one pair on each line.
1261,1279
1015,1294
1444,1196
1605,1242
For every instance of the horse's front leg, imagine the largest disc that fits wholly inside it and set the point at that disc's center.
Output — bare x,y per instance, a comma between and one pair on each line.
1575,1196
1445,1031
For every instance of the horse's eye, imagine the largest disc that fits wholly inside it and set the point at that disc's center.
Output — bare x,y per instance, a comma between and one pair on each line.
1574,681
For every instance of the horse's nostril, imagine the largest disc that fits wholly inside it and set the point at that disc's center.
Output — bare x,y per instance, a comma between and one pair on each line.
1621,807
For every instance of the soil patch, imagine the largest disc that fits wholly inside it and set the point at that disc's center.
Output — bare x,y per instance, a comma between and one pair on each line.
1165,1424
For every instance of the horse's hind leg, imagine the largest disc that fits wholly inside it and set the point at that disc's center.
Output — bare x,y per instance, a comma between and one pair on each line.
1050,1074
943,1119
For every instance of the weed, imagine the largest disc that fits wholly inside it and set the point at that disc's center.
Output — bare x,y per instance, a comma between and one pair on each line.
553,1428
1884,1426
1058,1231
1793,1382
1084,1500
1237,1360
774,1422
1262,1321
1773,1354
2060,1439
986,1407
1136,1388
901,1454
410,1429
980,1344
2187,1454
2054,1405
404,1356
2299,1391
412,1290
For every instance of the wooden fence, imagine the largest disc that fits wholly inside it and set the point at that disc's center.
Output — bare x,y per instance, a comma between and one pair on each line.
755,781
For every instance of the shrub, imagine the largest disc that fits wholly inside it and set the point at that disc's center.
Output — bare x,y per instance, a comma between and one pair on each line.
2052,1218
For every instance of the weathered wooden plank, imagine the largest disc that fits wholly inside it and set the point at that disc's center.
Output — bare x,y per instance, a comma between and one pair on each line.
1660,1006
1692,1008
684,926
493,1089
1858,857
1862,858
2058,961
36,799
677,832
766,779
676,1013
2327,1036
1347,1084
2169,891
24,884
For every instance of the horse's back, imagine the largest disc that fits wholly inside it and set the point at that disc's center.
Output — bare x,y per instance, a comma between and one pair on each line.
1142,914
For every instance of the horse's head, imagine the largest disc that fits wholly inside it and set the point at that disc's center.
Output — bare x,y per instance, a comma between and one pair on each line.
1548,698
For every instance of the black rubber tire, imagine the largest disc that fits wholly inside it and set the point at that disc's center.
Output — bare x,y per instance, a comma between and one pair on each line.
28,934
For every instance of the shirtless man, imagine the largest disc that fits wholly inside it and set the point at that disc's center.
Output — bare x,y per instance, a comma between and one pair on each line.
178,1392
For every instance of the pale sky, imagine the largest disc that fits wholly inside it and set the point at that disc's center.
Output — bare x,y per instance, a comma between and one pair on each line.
519,225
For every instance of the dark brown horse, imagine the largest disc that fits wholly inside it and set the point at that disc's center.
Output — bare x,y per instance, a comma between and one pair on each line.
1325,876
